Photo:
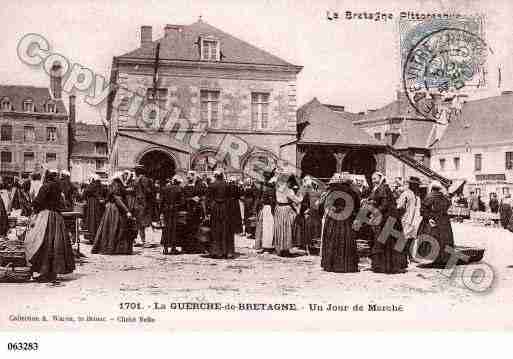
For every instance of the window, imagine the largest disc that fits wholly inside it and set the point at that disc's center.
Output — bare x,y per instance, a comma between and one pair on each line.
259,110
6,133
456,161
377,136
210,107
505,191
100,165
51,157
478,162
442,164
28,105
29,134
28,161
509,160
5,104
51,134
6,157
209,50
124,104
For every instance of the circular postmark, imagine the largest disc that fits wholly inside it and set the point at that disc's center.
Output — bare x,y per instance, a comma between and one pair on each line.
441,64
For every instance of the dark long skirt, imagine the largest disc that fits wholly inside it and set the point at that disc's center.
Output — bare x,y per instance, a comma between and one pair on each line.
385,258
222,238
299,231
93,215
442,233
113,236
4,220
313,226
55,256
234,215
170,232
339,250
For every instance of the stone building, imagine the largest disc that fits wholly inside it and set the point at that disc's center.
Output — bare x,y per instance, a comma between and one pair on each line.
477,146
399,125
207,92
89,152
34,127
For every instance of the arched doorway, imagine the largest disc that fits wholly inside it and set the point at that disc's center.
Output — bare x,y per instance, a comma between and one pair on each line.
159,165
360,162
319,163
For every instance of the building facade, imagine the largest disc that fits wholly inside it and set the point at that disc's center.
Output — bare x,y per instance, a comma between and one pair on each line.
89,152
477,146
200,92
33,129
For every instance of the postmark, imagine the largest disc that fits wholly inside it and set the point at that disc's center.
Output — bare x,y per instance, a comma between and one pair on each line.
441,64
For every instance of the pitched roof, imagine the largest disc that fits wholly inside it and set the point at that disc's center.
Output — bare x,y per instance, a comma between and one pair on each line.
400,108
183,45
341,110
416,134
485,121
85,132
327,126
39,95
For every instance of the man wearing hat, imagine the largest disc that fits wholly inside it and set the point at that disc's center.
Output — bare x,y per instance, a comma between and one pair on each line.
143,205
409,203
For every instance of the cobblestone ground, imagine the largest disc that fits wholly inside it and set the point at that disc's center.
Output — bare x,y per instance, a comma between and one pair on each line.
429,298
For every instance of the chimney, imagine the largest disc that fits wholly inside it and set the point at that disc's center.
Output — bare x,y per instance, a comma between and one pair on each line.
146,35
56,80
71,126
170,29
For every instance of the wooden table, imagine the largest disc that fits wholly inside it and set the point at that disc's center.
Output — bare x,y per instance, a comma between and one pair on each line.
75,217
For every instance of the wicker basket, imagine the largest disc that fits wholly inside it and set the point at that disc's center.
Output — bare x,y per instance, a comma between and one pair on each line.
12,274
15,257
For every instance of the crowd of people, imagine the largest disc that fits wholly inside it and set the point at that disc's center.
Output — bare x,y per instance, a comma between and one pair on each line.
200,214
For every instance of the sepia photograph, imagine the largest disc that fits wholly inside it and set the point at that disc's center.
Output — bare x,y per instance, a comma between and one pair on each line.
327,165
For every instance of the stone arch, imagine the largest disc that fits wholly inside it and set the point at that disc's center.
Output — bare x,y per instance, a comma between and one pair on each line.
205,160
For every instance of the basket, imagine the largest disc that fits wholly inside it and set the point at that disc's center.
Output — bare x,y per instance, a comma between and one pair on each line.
12,221
474,254
12,274
14,256
182,217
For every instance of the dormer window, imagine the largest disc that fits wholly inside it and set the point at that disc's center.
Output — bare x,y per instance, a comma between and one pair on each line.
210,49
5,104
28,105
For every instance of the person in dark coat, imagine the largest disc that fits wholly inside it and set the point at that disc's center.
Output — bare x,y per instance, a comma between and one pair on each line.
95,205
47,244
505,210
385,258
113,235
222,240
339,250
172,200
194,193
436,224
249,194
4,219
234,206
143,206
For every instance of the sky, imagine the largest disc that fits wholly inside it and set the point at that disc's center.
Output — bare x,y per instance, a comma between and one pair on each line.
353,63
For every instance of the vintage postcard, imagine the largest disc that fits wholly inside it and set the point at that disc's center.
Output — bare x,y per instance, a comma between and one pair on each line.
332,165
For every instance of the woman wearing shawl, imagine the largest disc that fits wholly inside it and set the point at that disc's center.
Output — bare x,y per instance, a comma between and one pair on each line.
222,240
95,205
47,244
384,256
284,214
436,224
339,206
113,236
172,200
